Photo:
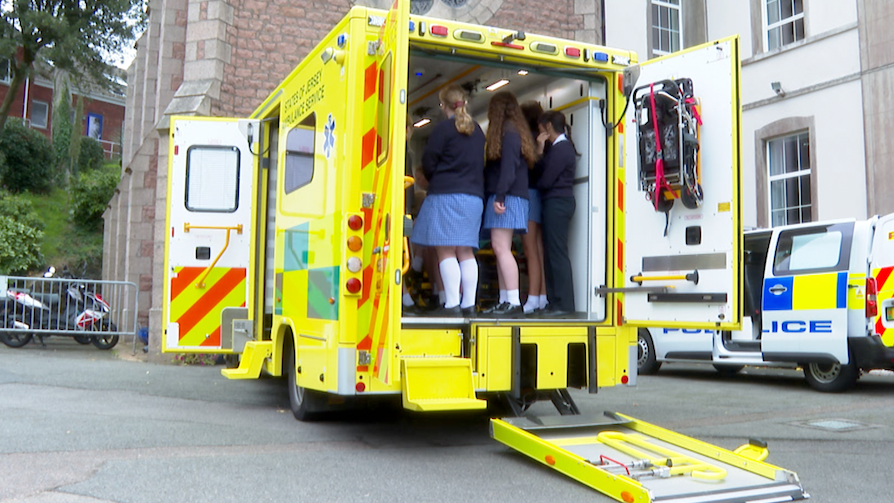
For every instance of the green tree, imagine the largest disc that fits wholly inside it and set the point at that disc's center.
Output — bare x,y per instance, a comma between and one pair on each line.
91,191
76,36
62,132
91,155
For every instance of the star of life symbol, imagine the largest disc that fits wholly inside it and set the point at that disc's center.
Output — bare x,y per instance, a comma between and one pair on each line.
329,137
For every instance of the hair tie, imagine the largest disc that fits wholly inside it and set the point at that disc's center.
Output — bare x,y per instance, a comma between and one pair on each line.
457,105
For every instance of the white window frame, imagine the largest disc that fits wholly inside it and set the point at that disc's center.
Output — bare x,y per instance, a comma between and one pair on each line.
668,4
803,171
46,116
782,22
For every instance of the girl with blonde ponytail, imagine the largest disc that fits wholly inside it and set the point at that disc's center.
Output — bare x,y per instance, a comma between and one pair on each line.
450,216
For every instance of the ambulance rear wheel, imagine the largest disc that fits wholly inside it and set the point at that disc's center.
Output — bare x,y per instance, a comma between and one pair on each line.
305,404
831,377
646,362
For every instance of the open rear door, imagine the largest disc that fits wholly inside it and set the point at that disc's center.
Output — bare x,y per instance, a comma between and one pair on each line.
682,249
209,248
393,58
882,266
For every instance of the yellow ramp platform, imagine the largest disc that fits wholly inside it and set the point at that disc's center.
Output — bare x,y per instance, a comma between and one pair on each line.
438,383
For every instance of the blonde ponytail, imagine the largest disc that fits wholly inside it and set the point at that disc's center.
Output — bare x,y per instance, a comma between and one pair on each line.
454,98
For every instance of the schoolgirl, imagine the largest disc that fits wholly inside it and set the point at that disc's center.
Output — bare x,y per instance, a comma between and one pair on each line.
532,241
556,185
510,154
450,216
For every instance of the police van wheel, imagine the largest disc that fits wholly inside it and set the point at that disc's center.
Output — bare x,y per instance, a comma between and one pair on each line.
645,353
305,403
831,377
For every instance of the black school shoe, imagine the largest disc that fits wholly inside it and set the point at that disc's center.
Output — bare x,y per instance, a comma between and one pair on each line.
504,310
551,312
446,312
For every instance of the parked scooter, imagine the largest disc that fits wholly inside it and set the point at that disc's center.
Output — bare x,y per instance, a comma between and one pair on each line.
75,308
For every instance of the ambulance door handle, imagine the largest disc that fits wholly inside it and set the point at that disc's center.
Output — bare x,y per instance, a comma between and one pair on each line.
778,289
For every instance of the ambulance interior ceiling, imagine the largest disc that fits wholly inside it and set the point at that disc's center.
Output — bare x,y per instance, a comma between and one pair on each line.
428,75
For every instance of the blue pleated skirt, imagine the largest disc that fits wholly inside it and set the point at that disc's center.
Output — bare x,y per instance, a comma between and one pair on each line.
448,220
535,206
515,217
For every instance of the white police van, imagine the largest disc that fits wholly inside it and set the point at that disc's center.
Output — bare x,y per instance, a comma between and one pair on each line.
816,296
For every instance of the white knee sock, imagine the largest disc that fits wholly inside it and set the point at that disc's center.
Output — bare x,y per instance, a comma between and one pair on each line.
408,299
417,263
450,275
543,301
512,297
469,271
503,297
442,297
532,304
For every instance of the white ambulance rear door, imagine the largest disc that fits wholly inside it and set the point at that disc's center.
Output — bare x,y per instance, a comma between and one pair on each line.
209,249
682,269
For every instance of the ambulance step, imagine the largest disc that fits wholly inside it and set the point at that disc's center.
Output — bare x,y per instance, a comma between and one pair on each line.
253,357
438,383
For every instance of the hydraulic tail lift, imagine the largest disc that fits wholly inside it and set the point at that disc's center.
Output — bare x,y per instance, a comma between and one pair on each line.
634,461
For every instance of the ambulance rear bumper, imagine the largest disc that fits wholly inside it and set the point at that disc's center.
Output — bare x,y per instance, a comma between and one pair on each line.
871,353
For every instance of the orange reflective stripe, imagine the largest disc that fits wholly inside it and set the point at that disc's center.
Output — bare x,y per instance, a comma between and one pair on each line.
212,297
185,277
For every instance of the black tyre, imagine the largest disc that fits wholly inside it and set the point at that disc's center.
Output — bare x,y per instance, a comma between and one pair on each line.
728,370
83,339
306,404
105,341
831,377
10,338
646,363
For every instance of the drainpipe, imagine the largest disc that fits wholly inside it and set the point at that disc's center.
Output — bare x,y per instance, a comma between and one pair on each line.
25,103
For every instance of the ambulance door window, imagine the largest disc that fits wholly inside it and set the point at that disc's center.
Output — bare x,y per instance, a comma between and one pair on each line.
812,250
212,179
300,155
383,118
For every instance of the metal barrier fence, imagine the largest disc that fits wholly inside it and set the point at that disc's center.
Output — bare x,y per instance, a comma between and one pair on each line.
89,310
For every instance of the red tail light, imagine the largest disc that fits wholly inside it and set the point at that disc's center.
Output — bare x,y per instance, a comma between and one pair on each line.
871,298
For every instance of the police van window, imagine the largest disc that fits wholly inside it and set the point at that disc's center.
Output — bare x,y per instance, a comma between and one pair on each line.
815,249
212,179
300,155
383,119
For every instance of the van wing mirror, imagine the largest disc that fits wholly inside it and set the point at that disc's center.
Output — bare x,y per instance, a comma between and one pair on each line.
631,75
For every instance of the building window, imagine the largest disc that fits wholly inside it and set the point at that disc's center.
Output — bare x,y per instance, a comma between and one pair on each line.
5,71
94,126
788,162
40,113
784,22
666,26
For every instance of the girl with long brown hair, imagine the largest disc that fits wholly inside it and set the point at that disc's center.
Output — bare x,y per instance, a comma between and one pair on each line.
450,216
510,154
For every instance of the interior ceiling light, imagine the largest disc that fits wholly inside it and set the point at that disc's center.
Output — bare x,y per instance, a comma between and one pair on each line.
498,84
522,72
422,122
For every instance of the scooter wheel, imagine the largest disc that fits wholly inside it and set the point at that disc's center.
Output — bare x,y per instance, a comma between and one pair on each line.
83,339
105,341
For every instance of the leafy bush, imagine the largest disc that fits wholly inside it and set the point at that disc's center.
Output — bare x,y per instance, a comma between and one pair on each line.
90,194
20,235
90,156
20,210
62,127
28,159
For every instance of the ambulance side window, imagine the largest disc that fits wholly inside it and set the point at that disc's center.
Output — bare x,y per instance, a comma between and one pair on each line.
212,179
300,155
814,249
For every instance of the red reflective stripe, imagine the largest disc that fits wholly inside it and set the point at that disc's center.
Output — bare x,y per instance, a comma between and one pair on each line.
369,81
184,278
215,294
368,149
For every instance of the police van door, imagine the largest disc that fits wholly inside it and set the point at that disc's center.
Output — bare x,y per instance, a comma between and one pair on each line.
882,267
681,264
210,233
805,294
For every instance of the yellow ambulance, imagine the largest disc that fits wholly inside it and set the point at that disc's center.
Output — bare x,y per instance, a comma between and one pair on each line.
286,246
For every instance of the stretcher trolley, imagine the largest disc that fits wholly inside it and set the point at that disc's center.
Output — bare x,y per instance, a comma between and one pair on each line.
634,461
